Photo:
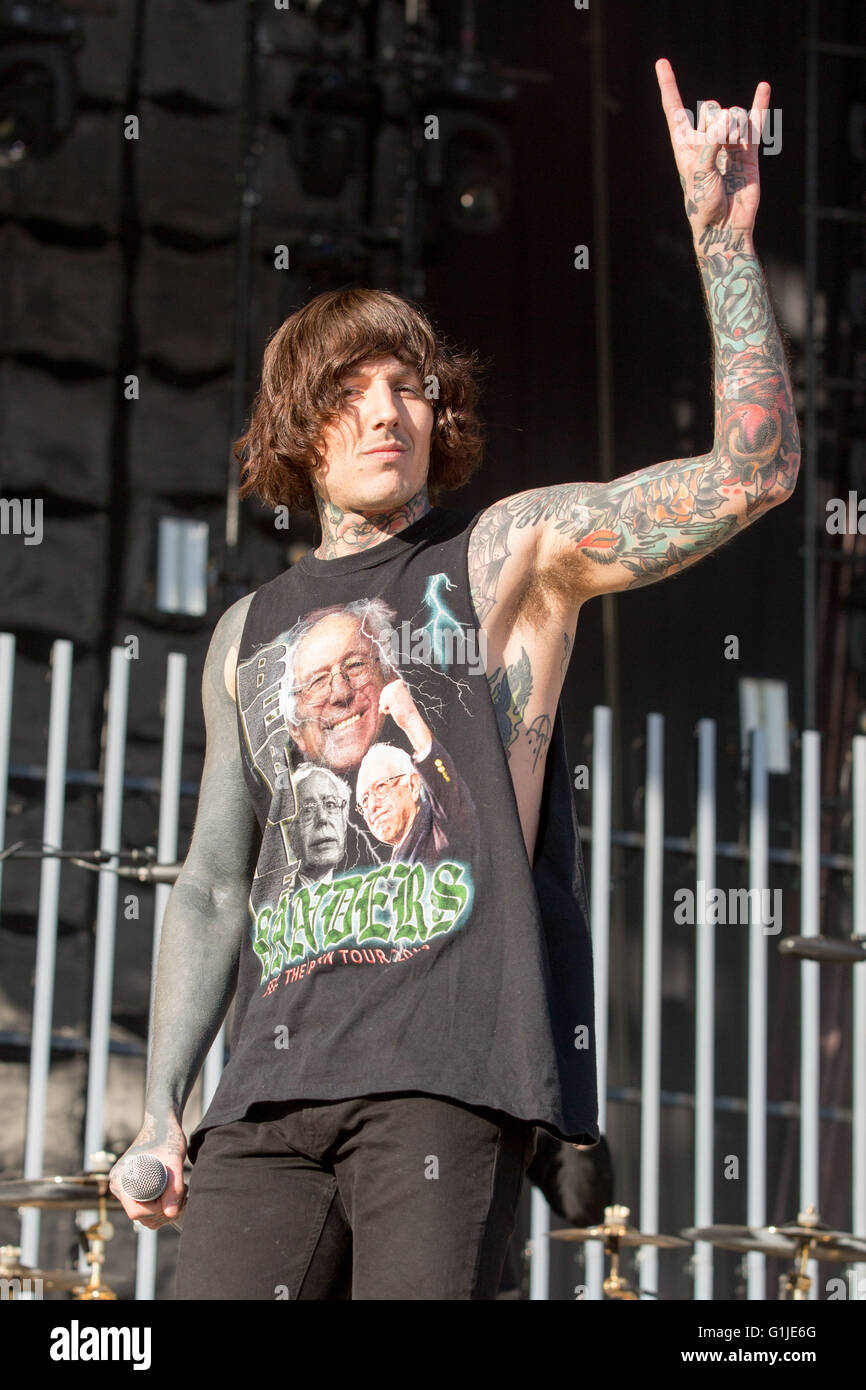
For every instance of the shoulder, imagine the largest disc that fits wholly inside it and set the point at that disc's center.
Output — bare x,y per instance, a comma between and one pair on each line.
502,552
226,639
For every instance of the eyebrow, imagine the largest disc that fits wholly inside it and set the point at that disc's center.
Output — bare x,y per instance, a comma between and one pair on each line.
402,370
356,651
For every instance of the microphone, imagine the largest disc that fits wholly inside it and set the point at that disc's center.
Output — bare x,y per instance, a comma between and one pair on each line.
145,1178
150,873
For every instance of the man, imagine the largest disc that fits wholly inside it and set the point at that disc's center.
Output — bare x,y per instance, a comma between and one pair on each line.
418,827
319,833
336,668
430,1026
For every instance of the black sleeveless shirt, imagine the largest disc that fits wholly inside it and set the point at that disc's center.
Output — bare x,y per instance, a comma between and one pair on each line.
399,938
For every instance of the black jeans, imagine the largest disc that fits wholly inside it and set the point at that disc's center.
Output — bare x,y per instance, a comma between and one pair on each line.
401,1196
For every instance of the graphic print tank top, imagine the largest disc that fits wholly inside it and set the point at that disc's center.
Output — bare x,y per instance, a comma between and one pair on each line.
399,938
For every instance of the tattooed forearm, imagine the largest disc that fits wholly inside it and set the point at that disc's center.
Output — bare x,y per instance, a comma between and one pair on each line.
345,533
757,442
538,735
511,689
565,654
642,527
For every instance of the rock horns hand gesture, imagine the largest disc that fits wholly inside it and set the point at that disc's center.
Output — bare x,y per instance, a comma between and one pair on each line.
717,163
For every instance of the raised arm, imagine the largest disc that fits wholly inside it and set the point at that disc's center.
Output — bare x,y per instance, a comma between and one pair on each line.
575,540
203,927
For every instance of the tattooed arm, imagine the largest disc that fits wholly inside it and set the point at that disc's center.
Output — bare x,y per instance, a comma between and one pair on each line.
205,920
552,548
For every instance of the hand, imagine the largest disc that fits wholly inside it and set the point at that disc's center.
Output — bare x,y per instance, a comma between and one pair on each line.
721,203
170,1147
396,700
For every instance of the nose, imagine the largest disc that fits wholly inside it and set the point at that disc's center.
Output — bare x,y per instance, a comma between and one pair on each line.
341,690
382,403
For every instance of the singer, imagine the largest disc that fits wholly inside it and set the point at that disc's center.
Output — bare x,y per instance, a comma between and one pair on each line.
385,868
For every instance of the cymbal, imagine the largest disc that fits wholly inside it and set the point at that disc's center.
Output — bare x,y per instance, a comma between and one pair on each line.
625,1235
742,1239
60,1279
819,1229
825,1244
783,1242
62,1193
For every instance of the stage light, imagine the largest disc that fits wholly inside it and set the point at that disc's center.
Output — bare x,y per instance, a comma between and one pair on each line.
37,79
470,164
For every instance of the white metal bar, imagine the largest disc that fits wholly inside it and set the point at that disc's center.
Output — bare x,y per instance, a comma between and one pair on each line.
705,1005
214,1063
169,814
858,1078
810,983
539,1264
599,914
106,910
653,882
7,671
756,1164
46,939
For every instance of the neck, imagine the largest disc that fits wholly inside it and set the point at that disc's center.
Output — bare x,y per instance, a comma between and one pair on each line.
347,533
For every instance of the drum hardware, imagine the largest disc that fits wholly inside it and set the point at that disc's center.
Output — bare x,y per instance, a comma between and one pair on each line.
78,1192
617,1234
807,1238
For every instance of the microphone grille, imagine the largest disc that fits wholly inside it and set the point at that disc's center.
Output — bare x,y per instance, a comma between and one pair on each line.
144,1178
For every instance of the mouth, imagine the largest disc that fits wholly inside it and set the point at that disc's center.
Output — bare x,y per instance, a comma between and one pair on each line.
327,842
341,725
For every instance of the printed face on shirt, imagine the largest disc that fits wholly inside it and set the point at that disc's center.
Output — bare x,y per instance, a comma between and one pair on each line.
338,678
322,818
388,794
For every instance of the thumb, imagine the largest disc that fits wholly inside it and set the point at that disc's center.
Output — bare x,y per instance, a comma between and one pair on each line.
174,1195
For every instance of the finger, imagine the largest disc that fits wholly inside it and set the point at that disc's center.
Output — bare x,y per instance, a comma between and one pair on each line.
173,1197
136,1211
707,115
678,118
738,126
760,106
761,99
151,1223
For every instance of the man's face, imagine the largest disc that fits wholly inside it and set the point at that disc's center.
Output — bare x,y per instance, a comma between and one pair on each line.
338,679
322,817
388,796
383,404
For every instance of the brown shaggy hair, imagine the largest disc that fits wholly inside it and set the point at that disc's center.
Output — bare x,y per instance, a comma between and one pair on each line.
303,365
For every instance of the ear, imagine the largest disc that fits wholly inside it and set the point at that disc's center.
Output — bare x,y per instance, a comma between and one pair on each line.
298,738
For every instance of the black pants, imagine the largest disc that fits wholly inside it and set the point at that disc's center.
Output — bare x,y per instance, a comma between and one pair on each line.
402,1196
